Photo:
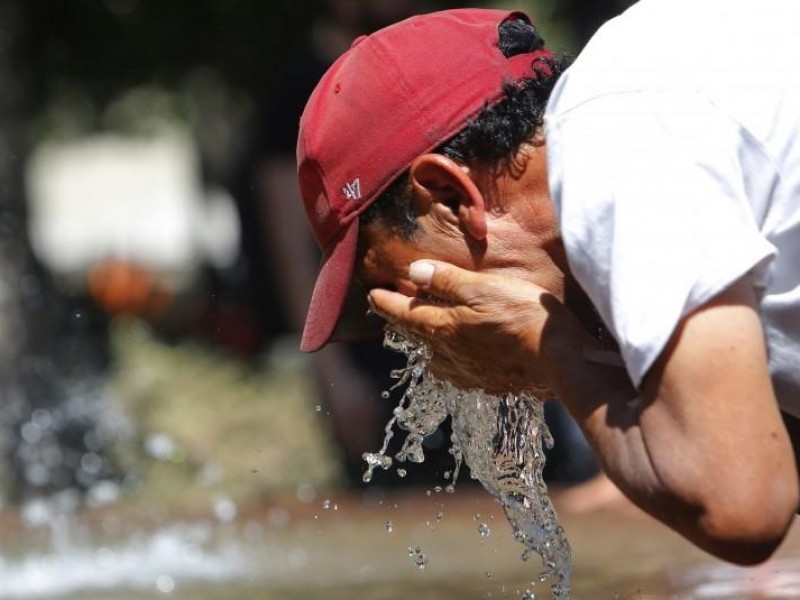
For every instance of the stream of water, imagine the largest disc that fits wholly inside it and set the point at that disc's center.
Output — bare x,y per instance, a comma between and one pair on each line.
501,438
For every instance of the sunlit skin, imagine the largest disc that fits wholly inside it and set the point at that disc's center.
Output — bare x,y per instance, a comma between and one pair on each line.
507,208
508,319
484,218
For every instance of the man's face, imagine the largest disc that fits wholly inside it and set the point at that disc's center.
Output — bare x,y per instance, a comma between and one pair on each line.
520,238
383,256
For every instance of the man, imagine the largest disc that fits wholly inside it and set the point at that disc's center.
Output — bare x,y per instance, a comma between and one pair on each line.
664,199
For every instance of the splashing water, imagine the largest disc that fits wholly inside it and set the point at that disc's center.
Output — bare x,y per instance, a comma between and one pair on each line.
418,557
501,438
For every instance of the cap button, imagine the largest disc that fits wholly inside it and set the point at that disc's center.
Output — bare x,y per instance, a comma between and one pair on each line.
358,40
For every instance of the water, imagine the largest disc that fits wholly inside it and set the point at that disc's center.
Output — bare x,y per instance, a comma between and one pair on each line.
157,561
276,551
419,558
501,438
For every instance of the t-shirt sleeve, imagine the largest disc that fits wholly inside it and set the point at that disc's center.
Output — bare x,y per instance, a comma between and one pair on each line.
651,201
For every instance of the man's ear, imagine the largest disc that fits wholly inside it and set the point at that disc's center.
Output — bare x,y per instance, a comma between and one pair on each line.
450,192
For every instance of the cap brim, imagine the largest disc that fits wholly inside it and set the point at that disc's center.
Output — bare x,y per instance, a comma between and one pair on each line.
338,307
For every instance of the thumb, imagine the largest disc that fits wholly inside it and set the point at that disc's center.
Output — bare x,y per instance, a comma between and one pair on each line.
443,280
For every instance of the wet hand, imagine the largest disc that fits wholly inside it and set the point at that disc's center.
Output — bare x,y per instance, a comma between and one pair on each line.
485,330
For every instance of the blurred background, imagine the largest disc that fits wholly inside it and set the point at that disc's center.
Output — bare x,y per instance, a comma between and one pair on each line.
160,432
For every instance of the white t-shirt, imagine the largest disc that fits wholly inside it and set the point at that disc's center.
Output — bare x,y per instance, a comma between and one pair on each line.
674,162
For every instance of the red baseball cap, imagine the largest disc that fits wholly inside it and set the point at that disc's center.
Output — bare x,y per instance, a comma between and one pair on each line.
394,95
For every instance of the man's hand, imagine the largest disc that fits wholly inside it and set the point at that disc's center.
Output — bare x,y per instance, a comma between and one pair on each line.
485,329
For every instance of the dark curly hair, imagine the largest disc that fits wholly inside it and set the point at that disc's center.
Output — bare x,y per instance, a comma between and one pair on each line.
494,136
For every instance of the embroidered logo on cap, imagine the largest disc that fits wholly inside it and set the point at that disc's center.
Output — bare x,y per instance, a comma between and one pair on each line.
352,191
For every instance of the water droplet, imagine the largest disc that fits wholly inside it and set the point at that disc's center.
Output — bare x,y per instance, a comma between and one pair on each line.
389,526
326,504
402,472
385,395
484,531
447,474
418,557
375,459
318,408
543,577
489,575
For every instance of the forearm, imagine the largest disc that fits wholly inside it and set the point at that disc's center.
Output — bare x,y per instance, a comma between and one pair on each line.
690,481
608,408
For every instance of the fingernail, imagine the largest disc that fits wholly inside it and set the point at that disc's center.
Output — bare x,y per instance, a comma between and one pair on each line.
421,272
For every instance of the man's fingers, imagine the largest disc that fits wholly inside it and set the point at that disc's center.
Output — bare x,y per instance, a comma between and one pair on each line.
387,304
412,313
445,281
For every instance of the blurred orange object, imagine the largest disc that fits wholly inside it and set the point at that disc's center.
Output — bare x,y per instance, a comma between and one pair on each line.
124,288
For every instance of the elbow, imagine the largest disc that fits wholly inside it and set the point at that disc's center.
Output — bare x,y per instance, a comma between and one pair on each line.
747,528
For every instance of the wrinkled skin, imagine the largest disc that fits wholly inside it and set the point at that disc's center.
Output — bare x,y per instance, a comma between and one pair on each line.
480,330
498,229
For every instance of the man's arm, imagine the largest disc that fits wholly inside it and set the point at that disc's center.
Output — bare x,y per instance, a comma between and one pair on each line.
701,446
